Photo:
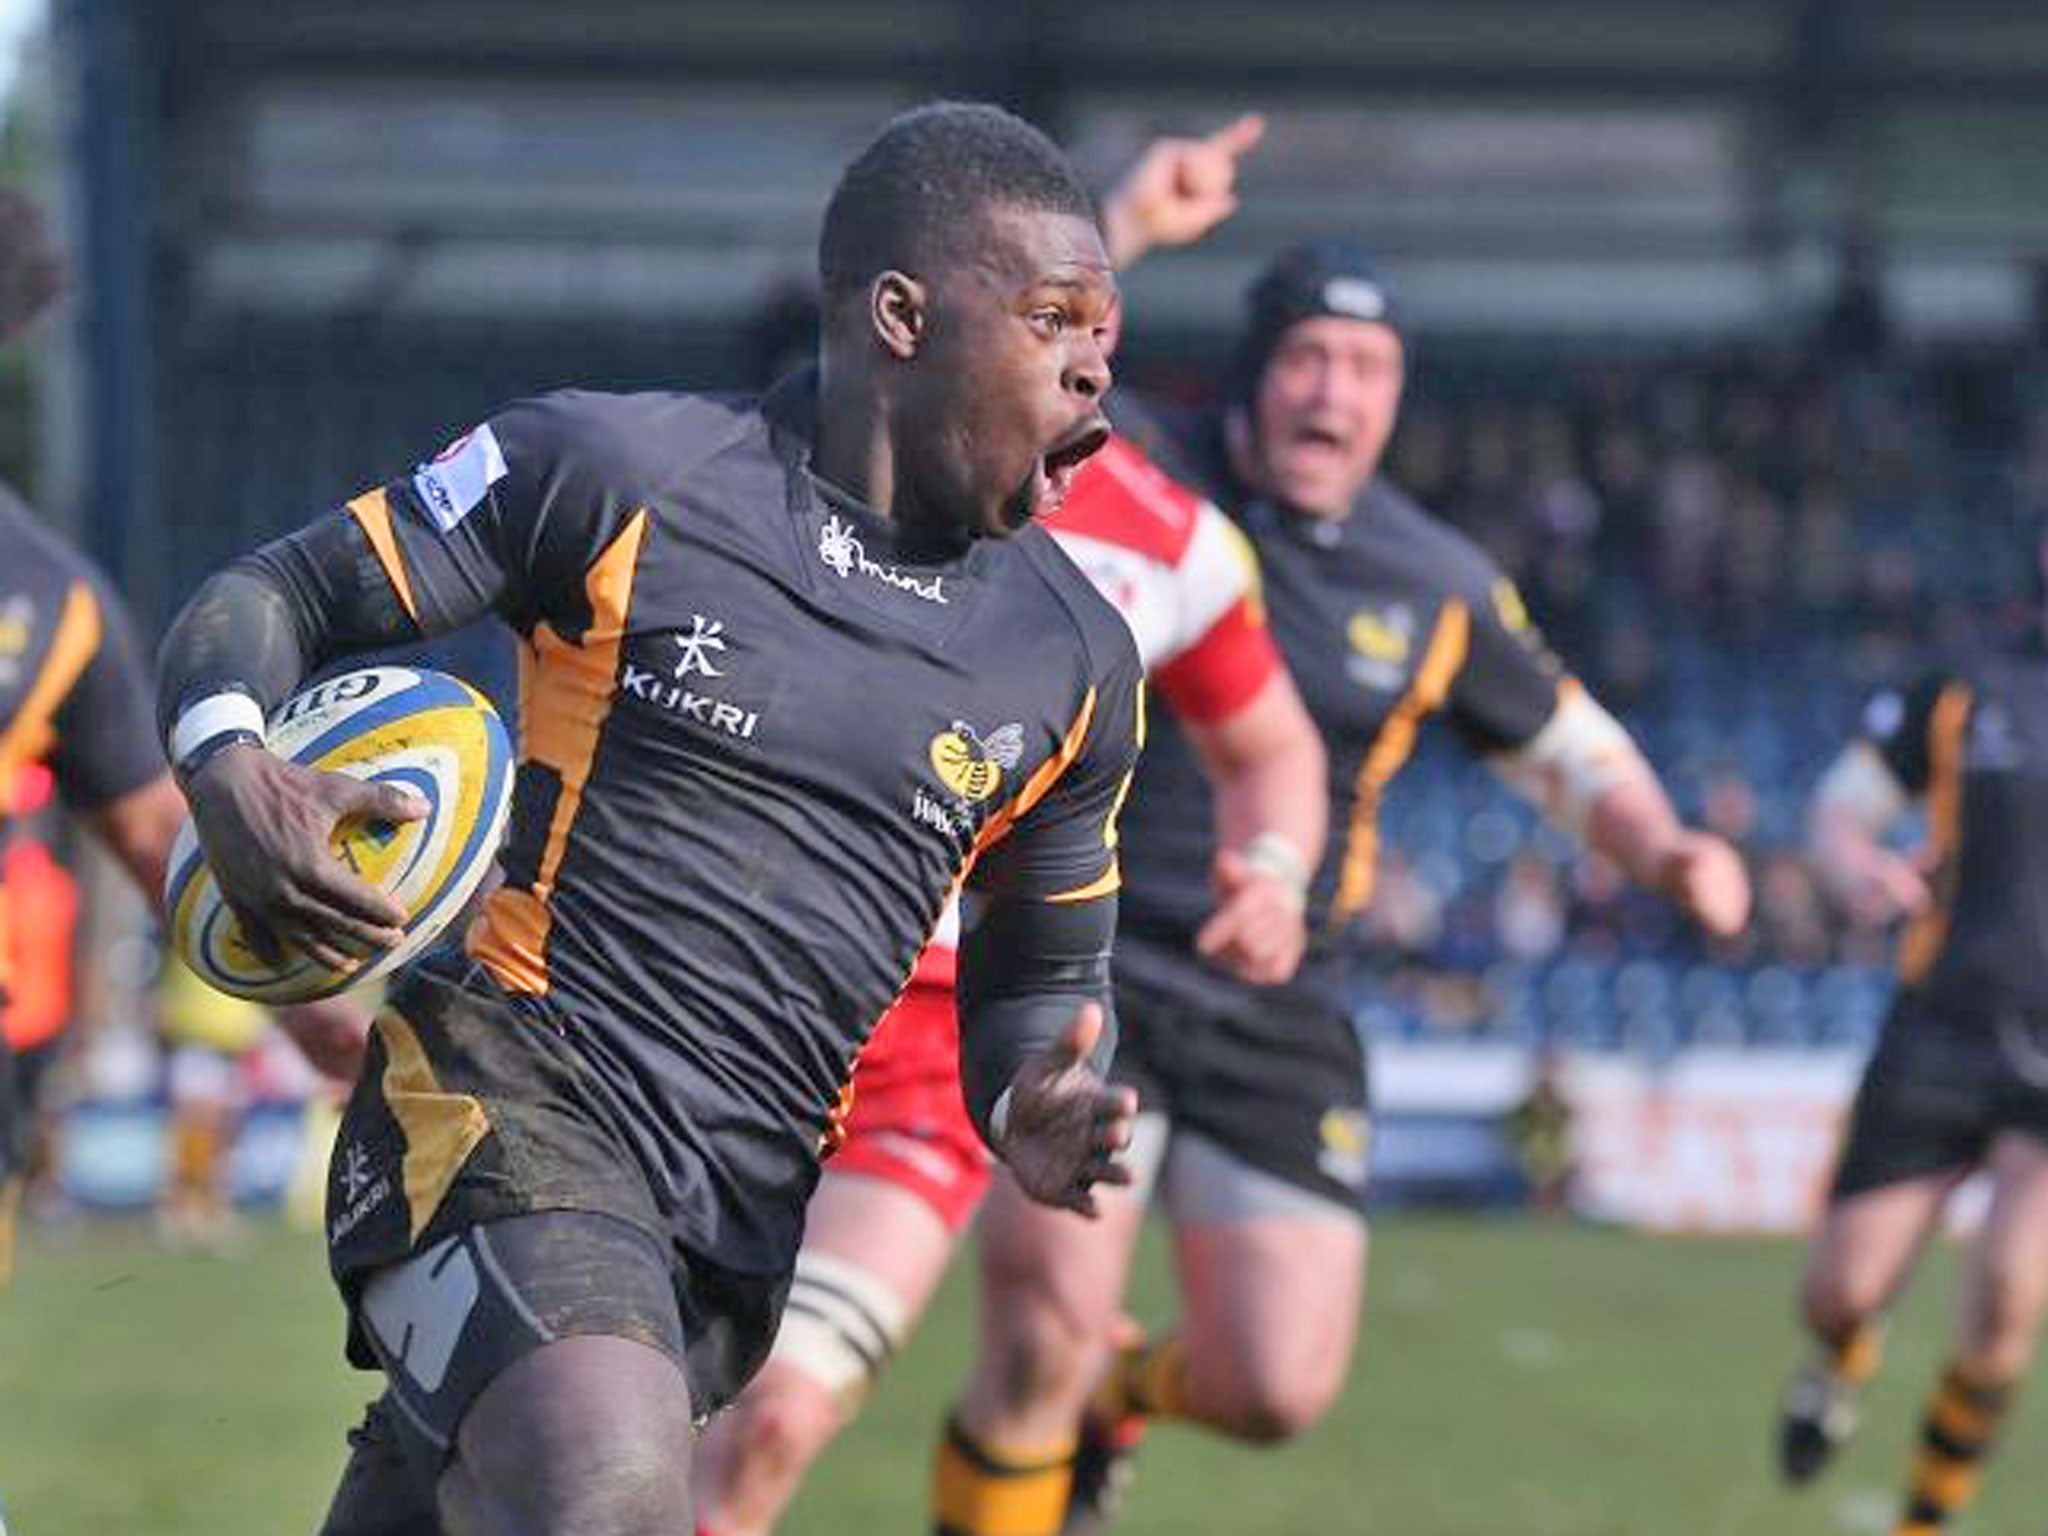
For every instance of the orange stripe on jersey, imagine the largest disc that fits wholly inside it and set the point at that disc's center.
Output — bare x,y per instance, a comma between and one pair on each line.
1924,940
32,732
77,640
372,512
1035,789
440,1128
1110,880
565,694
1449,644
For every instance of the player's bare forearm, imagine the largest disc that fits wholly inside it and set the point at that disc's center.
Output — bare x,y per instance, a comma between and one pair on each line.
1266,764
1874,884
1632,822
1268,768
139,827
1855,804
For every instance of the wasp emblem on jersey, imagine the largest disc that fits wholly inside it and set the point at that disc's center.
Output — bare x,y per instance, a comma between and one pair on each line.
972,766
17,630
1381,640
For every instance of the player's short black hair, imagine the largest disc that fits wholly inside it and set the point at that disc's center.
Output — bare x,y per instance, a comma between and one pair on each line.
914,199
31,275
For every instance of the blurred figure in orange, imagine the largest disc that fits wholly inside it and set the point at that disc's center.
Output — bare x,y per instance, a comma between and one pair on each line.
73,695
40,963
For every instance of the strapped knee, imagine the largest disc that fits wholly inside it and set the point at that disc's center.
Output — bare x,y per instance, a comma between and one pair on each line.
840,1327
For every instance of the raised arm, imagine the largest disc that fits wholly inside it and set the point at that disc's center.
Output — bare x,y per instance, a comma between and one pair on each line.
1177,191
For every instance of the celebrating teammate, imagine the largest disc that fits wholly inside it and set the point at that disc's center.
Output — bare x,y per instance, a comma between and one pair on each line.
897,1196
1959,1080
73,692
795,672
1384,617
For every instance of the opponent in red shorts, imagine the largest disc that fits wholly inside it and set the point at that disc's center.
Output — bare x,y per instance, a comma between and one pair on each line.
911,1170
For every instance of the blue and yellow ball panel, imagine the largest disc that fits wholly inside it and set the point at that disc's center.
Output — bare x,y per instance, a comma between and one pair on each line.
427,731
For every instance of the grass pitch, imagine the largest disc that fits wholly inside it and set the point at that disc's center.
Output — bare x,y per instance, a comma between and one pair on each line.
1515,1378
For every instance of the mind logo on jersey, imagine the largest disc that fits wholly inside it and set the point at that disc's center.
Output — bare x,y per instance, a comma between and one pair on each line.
971,765
843,553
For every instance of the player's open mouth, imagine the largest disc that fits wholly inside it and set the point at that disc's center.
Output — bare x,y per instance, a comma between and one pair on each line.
1320,439
1061,462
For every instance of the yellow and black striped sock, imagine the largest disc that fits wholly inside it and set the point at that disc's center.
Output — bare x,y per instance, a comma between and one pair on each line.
1149,1380
1962,1419
10,1214
1855,1356
978,1490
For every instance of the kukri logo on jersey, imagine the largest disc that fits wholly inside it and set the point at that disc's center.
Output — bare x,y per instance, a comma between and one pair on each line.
671,684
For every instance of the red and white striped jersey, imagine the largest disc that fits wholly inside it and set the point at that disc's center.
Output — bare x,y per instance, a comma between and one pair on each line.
1186,582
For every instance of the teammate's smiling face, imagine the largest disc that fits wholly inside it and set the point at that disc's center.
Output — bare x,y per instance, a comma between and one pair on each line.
1322,412
1007,399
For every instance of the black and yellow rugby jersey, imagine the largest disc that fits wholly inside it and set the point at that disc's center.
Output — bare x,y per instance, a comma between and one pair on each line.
1384,618
73,693
762,739
1972,745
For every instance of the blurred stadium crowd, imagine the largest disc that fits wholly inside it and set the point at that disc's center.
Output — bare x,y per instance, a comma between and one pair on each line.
1738,550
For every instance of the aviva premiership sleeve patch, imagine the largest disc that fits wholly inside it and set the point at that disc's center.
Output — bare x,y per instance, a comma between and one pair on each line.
459,477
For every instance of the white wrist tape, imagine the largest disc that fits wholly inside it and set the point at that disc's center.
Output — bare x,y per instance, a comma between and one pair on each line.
999,1120
1580,753
218,714
1861,786
1273,856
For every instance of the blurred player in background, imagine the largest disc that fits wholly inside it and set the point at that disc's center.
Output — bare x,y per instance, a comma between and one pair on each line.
73,692
40,966
205,1036
1385,617
796,670
1958,1083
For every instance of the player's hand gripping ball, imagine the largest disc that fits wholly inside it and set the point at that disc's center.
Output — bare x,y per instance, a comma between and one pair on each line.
425,731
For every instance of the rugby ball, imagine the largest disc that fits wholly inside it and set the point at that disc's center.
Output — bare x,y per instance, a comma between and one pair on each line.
428,731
